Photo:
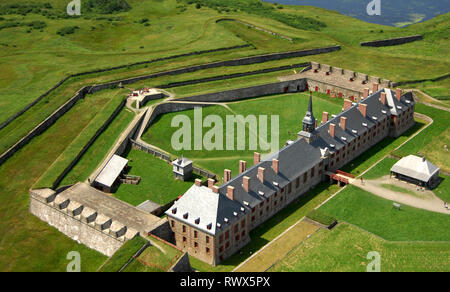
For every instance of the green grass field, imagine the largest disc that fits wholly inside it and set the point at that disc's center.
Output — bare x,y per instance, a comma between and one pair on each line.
345,249
377,215
289,107
157,185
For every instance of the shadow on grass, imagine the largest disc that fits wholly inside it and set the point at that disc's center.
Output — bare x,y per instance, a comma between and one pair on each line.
256,235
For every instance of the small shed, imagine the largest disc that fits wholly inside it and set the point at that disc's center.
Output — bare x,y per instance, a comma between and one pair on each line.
182,168
109,177
416,170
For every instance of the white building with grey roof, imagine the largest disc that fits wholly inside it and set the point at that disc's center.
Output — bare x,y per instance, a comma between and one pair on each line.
213,222
416,170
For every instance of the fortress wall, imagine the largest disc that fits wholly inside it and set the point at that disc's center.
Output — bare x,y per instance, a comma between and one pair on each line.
50,120
392,42
324,87
249,92
235,62
74,228
92,89
13,117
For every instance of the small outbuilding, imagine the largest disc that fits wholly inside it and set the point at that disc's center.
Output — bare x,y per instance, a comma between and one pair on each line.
182,168
109,177
416,170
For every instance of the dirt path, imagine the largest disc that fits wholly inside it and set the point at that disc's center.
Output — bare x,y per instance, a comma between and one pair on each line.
426,200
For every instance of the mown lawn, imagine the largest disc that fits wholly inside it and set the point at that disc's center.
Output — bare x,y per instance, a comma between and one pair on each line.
377,215
158,183
346,248
289,108
431,141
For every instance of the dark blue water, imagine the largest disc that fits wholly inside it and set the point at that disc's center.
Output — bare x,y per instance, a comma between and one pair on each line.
393,12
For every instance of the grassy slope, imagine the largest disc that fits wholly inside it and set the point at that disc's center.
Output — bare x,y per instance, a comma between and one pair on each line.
345,249
121,257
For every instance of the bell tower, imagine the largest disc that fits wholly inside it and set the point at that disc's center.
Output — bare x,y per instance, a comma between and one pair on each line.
309,123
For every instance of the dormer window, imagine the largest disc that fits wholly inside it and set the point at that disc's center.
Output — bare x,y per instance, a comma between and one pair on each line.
375,118
197,221
275,184
225,219
185,216
242,209
235,214
354,132
399,107
261,193
246,203
219,225
384,112
174,210
344,139
364,124
209,226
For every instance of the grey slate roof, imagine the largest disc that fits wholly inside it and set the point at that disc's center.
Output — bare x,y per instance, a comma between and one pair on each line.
111,171
415,167
200,202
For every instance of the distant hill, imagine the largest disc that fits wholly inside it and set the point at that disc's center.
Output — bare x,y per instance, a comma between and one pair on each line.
393,12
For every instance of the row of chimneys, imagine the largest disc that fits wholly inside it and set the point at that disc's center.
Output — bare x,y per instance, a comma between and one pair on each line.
245,179
361,107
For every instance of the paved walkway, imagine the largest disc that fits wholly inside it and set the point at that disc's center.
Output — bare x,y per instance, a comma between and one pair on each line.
426,200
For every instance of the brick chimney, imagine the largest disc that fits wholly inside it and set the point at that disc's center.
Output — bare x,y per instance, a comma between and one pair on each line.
332,129
198,182
230,192
363,109
211,183
256,158
347,104
275,165
383,98
246,183
226,175
261,174
242,166
324,117
343,123
366,92
375,87
398,93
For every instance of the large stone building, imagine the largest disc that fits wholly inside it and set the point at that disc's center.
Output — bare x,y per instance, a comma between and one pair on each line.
212,223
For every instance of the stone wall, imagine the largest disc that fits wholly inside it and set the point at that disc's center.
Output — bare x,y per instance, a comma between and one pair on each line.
75,229
249,92
393,41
